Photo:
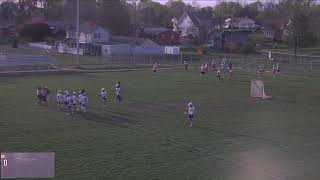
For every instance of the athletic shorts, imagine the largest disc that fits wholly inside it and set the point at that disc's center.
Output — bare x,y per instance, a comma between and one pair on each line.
202,72
39,97
119,97
190,116
104,98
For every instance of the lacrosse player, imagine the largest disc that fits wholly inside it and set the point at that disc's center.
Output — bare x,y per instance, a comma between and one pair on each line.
219,74
69,104
278,68
223,63
65,100
260,71
202,69
74,101
118,96
84,102
190,111
155,67
186,65
103,96
59,100
39,95
274,71
213,65
230,72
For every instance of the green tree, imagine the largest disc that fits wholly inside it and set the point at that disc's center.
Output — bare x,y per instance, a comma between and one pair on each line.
114,15
227,9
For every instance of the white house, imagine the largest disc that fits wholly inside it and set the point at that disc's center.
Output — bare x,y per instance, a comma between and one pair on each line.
121,45
240,23
89,34
190,24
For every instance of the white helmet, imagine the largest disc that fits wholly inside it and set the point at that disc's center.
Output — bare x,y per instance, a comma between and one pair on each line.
74,93
190,104
103,89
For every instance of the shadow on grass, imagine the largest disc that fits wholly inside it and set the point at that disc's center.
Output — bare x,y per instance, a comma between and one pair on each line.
115,120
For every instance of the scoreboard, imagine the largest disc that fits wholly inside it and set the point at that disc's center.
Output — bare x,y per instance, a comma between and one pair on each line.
27,165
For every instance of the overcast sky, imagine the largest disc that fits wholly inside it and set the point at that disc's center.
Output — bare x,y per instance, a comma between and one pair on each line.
210,2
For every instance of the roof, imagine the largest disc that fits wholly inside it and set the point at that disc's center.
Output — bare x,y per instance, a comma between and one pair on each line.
197,20
87,27
152,31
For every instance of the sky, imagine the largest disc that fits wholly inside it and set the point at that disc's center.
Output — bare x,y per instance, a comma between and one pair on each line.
207,2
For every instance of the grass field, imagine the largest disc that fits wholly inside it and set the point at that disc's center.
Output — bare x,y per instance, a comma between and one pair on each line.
146,137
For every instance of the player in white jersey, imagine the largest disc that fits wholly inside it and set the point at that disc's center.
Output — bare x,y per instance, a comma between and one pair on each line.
190,111
155,67
274,71
69,104
278,68
103,96
260,71
74,101
223,63
39,95
213,65
59,100
65,101
186,65
79,97
84,102
118,96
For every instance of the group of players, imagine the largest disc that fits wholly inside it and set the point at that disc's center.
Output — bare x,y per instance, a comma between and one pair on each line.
71,102
204,68
275,70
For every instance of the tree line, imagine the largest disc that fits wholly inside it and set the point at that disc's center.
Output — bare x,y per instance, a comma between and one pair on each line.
125,17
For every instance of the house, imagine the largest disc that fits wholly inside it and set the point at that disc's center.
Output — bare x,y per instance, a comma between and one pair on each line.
240,23
229,38
7,29
161,36
90,36
122,45
191,25
273,29
88,33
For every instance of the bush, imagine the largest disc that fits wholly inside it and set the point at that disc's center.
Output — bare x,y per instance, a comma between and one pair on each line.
36,32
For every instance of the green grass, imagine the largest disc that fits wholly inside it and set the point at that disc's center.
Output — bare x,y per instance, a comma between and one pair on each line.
146,137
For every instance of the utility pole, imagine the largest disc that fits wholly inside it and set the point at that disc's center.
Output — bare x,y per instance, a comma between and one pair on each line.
77,32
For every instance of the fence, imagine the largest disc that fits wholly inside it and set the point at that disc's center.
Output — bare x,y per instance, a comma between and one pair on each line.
251,62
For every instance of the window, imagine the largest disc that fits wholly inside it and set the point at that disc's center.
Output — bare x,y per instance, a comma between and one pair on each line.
96,35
